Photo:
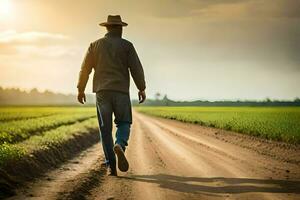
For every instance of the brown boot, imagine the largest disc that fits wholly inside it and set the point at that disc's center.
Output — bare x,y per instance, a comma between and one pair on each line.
123,164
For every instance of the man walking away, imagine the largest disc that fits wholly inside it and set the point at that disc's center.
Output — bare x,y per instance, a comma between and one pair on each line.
112,58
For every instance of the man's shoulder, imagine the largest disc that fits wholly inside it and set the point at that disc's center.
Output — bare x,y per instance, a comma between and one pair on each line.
126,41
97,41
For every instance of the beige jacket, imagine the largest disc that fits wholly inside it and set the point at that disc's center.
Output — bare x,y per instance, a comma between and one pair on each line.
112,58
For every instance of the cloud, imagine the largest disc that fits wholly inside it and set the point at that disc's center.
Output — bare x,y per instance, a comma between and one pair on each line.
37,59
228,8
186,8
33,43
11,36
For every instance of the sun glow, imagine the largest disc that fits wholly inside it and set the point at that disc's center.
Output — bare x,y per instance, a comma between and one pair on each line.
5,8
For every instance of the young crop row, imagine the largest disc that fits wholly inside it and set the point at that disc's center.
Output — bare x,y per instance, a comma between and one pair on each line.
49,138
5,117
278,123
19,130
21,112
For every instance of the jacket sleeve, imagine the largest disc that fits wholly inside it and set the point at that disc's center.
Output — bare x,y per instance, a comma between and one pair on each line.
86,68
136,69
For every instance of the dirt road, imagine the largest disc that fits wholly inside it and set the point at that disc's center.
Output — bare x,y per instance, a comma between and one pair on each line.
174,160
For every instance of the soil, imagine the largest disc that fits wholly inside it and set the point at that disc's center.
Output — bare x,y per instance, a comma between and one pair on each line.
174,160
17,173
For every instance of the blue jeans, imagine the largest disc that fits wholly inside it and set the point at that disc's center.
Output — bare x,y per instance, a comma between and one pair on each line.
117,103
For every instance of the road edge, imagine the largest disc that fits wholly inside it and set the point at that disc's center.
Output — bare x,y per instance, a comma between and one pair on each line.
15,174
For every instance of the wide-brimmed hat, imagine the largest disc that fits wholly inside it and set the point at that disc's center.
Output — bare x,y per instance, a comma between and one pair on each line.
113,20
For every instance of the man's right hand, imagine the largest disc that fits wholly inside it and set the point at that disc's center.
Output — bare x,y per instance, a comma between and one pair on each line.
142,96
81,97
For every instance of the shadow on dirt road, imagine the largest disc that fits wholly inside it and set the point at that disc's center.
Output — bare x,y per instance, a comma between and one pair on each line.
218,184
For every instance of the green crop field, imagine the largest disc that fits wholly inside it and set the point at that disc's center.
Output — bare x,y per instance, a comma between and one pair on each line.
27,129
277,123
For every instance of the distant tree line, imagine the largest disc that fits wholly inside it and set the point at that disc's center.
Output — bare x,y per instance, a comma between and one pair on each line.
165,101
16,96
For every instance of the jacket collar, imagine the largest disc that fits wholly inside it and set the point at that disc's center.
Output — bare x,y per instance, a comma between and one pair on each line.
113,34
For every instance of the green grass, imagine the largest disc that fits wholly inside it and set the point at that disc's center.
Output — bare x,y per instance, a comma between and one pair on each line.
8,113
15,131
24,130
49,138
277,123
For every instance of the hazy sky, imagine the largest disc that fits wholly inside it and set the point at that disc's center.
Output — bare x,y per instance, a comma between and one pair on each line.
190,49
